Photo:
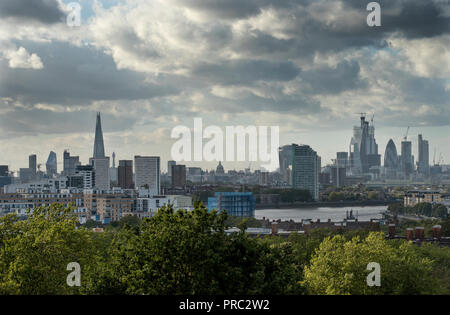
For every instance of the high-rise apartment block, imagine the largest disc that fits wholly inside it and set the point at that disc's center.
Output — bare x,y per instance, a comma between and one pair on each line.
101,167
306,169
147,173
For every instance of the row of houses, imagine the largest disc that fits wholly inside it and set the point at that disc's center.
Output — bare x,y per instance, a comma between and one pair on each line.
414,197
102,206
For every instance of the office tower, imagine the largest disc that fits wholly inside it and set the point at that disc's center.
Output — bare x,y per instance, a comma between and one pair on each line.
70,163
99,148
407,162
338,176
101,168
32,164
391,160
147,173
26,175
423,164
5,179
87,173
125,171
342,159
51,165
363,148
305,169
169,167
237,204
178,175
285,159
264,179
4,170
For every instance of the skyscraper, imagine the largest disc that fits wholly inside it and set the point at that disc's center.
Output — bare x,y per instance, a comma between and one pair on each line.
423,164
178,175
51,165
391,162
406,159
4,170
364,148
285,159
101,168
147,173
99,148
169,167
305,169
126,174
32,164
70,163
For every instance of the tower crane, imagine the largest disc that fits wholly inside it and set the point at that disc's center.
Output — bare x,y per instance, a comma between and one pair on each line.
406,134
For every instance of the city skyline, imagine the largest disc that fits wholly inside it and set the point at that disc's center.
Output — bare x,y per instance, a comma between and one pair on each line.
306,66
97,132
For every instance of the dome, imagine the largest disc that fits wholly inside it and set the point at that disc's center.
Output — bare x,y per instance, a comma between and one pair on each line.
219,169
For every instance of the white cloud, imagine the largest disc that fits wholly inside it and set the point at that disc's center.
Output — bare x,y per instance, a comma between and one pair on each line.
22,59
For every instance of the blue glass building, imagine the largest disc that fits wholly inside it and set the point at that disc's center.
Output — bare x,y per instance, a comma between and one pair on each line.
239,204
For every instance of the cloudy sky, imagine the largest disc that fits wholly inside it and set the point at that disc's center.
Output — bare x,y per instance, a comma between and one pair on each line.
308,66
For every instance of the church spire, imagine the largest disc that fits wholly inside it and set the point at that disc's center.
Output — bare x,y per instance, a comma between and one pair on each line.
99,148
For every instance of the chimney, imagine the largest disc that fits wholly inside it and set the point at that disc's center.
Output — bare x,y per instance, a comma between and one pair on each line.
420,232
391,230
409,234
306,227
437,232
274,228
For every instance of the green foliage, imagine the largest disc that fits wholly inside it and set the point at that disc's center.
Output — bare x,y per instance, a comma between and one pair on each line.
339,267
34,253
396,208
189,252
424,209
440,211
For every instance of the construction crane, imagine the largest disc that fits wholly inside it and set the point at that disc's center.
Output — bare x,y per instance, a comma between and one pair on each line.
406,134
440,159
434,157
362,114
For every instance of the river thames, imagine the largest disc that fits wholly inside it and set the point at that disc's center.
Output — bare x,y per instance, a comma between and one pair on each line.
323,213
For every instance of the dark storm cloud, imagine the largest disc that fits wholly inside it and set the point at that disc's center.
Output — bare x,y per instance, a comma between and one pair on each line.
326,80
44,11
412,19
244,72
33,120
74,76
425,90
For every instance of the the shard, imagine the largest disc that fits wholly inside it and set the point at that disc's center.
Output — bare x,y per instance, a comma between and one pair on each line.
99,148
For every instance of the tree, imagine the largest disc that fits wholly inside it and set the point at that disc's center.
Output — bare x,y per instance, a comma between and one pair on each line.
440,211
34,253
423,208
339,267
396,208
188,252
